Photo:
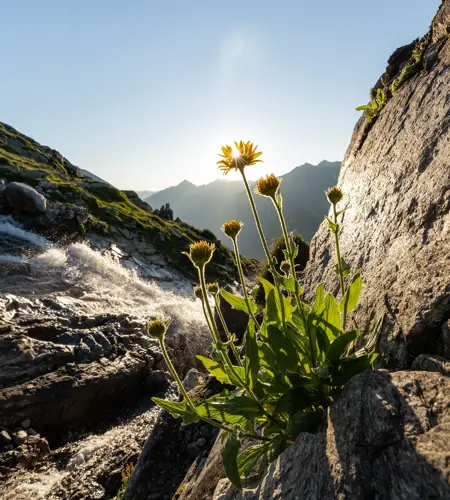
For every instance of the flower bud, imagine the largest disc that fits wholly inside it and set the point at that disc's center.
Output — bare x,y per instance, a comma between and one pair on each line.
232,228
157,328
201,252
334,195
198,292
268,186
213,288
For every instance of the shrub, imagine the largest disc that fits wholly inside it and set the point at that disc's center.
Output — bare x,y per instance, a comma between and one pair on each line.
208,235
276,250
297,357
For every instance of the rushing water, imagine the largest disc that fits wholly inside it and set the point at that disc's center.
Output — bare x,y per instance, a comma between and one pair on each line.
91,281
94,281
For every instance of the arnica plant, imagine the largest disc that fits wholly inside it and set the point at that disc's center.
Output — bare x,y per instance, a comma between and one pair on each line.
296,355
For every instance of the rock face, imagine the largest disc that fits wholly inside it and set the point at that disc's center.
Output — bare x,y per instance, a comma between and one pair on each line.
388,436
23,198
396,180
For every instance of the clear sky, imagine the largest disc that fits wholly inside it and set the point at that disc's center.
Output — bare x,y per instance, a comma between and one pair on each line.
143,93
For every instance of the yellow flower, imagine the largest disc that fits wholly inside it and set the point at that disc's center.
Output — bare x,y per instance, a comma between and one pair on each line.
334,195
157,328
242,155
198,292
200,252
268,186
232,228
213,288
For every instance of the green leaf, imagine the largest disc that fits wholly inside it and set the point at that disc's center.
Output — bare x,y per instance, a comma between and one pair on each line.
249,457
237,302
295,399
267,285
206,409
322,342
351,297
267,357
229,457
284,350
331,317
304,421
272,311
238,405
350,367
215,369
288,283
319,302
176,409
234,380
340,344
363,108
251,356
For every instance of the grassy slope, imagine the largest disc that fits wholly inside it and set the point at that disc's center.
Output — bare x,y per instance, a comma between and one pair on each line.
23,159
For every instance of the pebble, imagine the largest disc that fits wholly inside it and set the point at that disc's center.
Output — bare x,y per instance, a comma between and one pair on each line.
26,423
5,438
201,442
21,437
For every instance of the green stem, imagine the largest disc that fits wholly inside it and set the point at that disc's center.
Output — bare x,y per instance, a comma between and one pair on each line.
339,262
264,244
292,262
227,331
226,359
189,401
241,277
175,374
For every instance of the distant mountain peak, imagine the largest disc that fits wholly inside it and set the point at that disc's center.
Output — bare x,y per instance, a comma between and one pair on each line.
186,183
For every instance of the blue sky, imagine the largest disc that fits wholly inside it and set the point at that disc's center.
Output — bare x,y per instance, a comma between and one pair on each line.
143,93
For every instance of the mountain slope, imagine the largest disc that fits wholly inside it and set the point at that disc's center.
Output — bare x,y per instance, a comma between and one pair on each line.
78,205
210,205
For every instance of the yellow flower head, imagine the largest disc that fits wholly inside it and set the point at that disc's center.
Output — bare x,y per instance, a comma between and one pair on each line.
200,252
157,328
232,228
213,288
334,195
198,292
242,155
268,186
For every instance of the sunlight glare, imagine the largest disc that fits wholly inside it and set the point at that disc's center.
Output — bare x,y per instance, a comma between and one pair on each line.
236,152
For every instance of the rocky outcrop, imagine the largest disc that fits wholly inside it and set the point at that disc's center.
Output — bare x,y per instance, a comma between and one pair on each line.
23,198
396,181
388,436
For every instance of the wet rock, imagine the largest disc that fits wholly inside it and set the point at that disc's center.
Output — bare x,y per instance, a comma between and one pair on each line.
24,198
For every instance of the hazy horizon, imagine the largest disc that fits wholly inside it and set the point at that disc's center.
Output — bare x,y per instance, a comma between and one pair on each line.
144,94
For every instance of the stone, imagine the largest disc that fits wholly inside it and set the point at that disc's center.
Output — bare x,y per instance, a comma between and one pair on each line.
24,198
395,179
387,436
432,364
25,423
20,437
5,439
192,379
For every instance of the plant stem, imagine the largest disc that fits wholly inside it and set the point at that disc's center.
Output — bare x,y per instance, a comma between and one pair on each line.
227,331
339,262
188,399
290,252
224,354
175,374
241,277
264,244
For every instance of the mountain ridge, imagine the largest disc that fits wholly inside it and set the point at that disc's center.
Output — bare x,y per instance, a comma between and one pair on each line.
209,205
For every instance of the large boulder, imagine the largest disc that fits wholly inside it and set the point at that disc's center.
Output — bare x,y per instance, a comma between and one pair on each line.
396,180
24,198
387,437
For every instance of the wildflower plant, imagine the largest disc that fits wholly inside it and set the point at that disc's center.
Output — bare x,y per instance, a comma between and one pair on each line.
297,357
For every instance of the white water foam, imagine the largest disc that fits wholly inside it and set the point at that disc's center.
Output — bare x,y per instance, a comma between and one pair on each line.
10,227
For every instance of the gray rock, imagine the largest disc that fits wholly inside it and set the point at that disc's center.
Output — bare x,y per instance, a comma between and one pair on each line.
387,437
25,423
24,198
396,180
432,364
192,379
